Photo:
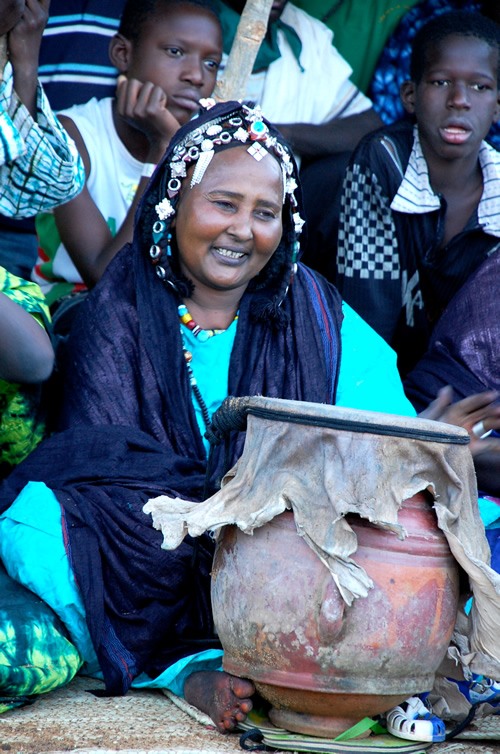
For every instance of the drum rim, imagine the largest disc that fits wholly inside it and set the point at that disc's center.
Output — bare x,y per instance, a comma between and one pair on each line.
336,417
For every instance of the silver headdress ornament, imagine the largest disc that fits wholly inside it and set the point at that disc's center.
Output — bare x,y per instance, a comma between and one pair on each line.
199,147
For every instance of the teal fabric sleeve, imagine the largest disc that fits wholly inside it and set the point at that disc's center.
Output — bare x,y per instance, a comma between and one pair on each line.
368,378
33,552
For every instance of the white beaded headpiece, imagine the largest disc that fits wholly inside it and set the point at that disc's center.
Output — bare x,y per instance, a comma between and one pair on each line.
200,145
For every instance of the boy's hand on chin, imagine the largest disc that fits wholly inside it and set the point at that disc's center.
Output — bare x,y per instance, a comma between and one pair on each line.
144,106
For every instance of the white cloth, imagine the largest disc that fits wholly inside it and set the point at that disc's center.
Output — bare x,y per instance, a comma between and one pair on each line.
112,182
416,196
316,94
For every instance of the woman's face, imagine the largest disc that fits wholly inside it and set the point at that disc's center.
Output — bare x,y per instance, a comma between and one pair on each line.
229,225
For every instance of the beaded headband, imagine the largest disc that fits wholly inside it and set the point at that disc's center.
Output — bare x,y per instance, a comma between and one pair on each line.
199,147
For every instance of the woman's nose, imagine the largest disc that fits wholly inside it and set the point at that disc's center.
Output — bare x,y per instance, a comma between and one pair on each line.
241,226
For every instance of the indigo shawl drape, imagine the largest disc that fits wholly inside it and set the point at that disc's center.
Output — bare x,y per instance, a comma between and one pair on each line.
465,347
128,433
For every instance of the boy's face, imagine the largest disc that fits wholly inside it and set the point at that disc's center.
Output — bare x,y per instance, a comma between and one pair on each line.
457,99
179,51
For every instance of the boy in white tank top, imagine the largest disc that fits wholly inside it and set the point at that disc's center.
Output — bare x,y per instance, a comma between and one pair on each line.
168,53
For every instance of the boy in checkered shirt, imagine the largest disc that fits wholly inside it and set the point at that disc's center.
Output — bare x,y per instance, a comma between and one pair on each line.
421,200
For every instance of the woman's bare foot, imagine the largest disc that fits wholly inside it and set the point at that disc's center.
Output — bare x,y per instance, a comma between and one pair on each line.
225,698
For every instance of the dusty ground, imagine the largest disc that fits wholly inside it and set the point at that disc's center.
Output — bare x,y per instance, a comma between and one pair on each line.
143,722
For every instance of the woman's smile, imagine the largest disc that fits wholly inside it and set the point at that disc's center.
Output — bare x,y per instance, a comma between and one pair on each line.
230,256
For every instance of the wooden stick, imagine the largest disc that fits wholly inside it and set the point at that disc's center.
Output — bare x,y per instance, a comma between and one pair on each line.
3,54
249,35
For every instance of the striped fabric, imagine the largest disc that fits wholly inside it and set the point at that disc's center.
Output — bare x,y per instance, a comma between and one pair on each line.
39,165
74,60
415,195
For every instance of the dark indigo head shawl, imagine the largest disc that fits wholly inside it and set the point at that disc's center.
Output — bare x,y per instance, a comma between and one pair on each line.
464,351
131,433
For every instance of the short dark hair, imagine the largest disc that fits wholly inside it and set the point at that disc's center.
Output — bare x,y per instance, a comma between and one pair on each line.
461,23
136,13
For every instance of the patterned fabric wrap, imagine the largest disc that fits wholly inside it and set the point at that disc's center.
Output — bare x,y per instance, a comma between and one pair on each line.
35,654
39,164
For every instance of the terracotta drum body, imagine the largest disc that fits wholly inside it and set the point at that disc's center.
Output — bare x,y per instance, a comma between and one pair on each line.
322,664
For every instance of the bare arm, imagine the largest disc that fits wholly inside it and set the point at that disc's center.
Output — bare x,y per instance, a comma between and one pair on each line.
83,229
337,135
24,48
26,353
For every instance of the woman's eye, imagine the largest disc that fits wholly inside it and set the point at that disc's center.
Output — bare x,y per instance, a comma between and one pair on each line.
223,204
440,82
479,87
266,214
175,52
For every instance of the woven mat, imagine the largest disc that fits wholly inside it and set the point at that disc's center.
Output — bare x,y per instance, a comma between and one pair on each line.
142,722
482,729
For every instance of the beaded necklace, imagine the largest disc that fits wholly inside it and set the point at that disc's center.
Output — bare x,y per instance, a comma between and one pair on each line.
202,335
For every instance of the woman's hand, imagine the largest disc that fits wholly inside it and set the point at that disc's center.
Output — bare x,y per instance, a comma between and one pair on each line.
478,414
144,106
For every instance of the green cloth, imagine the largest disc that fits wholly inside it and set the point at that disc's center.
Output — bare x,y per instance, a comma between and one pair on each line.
269,50
360,30
35,654
22,424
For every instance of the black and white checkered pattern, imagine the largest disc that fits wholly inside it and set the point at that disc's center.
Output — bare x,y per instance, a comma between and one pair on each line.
368,245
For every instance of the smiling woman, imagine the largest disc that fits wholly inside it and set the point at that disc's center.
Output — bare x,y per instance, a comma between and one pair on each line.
208,301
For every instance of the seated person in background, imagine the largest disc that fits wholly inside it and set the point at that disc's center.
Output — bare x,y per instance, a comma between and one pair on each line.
74,54
393,68
39,165
303,85
464,353
199,307
360,30
420,203
168,52
73,66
